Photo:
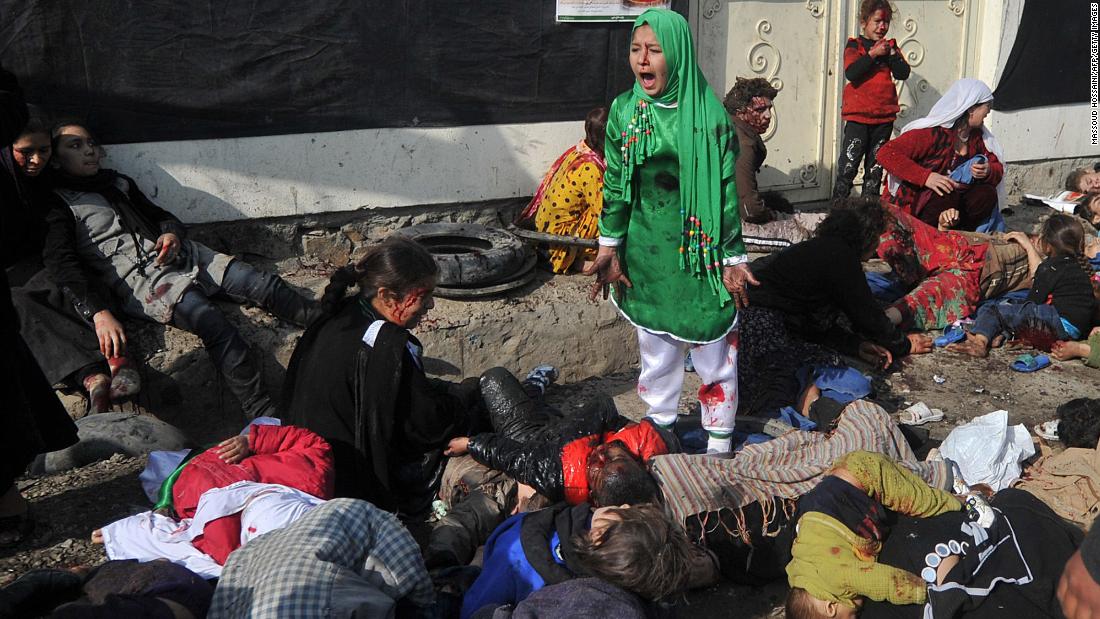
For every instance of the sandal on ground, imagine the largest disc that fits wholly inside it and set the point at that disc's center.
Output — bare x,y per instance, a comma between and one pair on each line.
1030,363
919,414
1048,430
951,335
15,529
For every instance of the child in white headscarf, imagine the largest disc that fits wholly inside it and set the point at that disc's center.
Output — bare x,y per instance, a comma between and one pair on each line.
947,168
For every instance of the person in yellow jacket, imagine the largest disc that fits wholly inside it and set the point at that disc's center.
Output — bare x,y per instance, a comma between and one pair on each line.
840,528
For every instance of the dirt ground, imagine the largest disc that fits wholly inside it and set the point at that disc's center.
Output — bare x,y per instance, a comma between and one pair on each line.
69,506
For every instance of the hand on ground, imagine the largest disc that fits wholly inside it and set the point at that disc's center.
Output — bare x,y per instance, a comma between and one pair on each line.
111,335
97,536
737,279
459,446
608,271
919,343
940,184
876,355
233,450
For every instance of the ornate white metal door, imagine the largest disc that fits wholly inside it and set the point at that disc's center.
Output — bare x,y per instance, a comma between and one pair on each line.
935,37
797,45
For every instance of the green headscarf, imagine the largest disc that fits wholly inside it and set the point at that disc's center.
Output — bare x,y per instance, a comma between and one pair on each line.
700,120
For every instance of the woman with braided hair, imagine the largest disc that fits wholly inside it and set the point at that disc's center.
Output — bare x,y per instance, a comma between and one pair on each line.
357,379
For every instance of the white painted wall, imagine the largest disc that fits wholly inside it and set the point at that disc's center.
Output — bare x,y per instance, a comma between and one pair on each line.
1058,132
223,180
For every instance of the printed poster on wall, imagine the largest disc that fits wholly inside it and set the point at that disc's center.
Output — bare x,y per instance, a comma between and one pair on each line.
606,10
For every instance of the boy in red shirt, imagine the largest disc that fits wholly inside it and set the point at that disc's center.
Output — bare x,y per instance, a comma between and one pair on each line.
870,102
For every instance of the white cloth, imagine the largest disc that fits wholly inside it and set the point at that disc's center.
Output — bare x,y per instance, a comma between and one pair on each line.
989,451
148,536
662,378
960,97
263,507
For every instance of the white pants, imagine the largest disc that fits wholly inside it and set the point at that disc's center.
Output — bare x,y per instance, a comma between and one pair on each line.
662,378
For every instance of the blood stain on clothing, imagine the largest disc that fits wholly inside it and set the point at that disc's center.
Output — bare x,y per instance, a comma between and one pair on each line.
160,291
711,395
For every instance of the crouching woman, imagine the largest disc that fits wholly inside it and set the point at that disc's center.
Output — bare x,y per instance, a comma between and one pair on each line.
357,379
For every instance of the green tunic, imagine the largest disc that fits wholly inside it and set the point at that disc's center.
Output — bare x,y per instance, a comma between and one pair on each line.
666,298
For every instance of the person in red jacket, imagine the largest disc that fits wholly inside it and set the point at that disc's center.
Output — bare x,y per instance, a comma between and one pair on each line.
947,169
870,101
563,457
283,470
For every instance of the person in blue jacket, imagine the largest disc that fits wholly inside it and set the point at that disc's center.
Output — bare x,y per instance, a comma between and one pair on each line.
639,549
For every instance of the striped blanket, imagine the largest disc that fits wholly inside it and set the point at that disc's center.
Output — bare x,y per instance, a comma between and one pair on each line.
786,467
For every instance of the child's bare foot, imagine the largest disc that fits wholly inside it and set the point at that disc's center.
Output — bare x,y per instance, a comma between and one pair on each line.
974,345
998,341
98,387
1064,351
97,536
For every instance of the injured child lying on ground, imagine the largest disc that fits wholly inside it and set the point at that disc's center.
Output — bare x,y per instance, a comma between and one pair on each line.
226,496
635,548
737,508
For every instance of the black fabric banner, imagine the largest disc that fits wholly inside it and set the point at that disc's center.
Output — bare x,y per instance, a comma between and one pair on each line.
186,69
1049,62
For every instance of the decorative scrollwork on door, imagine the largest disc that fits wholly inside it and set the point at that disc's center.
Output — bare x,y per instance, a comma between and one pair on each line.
808,174
957,7
815,7
764,60
913,52
922,86
712,8
909,46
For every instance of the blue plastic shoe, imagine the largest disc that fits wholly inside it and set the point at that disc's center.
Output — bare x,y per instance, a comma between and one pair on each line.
1030,363
951,334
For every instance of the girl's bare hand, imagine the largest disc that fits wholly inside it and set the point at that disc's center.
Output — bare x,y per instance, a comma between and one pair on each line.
940,184
876,355
1018,237
111,335
919,343
233,450
980,170
458,446
167,248
949,219
608,271
737,279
